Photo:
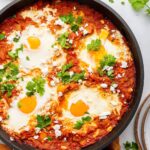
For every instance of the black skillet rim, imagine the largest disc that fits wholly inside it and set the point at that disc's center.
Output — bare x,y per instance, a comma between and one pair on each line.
135,49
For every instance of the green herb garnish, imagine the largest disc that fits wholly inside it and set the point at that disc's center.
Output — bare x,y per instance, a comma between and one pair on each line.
16,39
7,88
108,60
78,125
130,146
65,76
14,55
94,45
69,18
49,138
74,22
62,40
27,58
43,121
2,36
36,86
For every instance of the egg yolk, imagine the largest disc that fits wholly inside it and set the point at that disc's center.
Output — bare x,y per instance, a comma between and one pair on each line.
34,42
27,104
79,108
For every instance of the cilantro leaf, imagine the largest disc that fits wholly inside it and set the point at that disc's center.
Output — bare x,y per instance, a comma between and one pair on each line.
130,146
108,60
77,76
7,88
14,55
69,18
49,138
74,27
94,45
66,67
36,86
62,40
43,121
138,4
78,125
2,36
79,20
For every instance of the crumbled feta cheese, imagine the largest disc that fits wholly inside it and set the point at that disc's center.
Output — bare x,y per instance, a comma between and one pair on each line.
52,83
103,85
81,28
59,22
124,65
122,95
104,115
56,80
11,139
60,94
118,76
71,41
85,32
108,68
86,25
57,133
37,130
57,130
55,47
113,87
77,33
65,139
80,81
56,121
71,73
1,118
74,8
56,127
36,137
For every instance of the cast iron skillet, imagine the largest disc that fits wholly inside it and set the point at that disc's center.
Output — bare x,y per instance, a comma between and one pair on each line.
13,7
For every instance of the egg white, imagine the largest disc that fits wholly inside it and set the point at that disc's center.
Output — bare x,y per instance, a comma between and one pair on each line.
18,120
94,99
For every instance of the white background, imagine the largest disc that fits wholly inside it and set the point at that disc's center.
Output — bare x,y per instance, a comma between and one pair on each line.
140,25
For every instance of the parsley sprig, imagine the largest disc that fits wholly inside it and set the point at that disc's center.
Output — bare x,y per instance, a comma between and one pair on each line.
78,125
2,36
14,55
108,61
7,76
43,121
35,86
94,45
74,22
62,40
130,146
65,75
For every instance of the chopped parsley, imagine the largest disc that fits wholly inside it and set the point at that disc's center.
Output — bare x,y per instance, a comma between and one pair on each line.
2,36
65,75
62,40
130,146
43,121
94,45
106,65
16,39
14,55
35,86
78,125
27,58
49,138
108,60
9,72
74,22
68,19
7,88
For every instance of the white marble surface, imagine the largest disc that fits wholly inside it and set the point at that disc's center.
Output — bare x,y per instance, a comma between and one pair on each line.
140,25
